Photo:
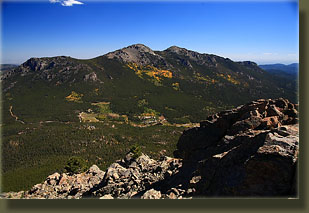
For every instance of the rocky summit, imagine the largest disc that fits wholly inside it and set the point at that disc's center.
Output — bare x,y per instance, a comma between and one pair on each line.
249,151
137,53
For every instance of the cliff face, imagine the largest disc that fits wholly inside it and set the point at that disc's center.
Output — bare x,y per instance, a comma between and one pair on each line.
249,151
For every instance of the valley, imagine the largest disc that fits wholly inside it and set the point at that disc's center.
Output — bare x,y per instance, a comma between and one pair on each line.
57,107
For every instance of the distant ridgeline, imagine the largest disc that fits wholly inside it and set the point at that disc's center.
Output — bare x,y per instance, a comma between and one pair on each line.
291,69
57,107
182,85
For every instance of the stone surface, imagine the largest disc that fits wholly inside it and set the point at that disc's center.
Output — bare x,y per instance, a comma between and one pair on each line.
131,177
57,186
151,194
44,68
107,197
137,53
249,151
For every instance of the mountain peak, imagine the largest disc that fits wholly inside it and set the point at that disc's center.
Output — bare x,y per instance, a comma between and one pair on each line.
248,63
176,49
136,53
200,58
139,47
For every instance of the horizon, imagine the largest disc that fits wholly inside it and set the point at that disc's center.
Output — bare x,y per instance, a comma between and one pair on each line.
262,32
135,44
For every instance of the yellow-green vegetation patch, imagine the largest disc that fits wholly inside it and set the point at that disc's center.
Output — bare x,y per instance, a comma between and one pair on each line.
96,90
88,117
74,97
205,79
103,107
150,112
188,125
100,103
175,86
102,113
105,113
154,73
229,78
125,118
150,116
142,102
117,117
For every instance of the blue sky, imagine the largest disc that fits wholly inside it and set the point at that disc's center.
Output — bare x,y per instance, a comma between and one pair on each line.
260,31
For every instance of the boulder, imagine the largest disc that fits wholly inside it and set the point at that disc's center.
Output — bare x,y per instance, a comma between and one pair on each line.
129,177
66,185
151,194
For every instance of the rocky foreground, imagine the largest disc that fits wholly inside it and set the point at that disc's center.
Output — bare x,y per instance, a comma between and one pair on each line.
249,151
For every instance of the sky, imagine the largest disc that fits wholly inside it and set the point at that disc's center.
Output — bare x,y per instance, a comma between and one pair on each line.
260,31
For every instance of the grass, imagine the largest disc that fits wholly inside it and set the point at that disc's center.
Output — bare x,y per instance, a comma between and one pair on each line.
88,117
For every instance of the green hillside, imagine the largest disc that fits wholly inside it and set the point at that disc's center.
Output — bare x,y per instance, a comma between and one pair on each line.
55,108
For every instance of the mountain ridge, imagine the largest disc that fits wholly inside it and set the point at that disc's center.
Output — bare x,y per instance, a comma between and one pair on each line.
177,71
143,49
173,48
291,69
57,107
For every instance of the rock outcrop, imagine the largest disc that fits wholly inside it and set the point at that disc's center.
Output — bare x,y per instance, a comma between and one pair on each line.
126,178
65,185
129,177
199,58
59,69
249,151
139,54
